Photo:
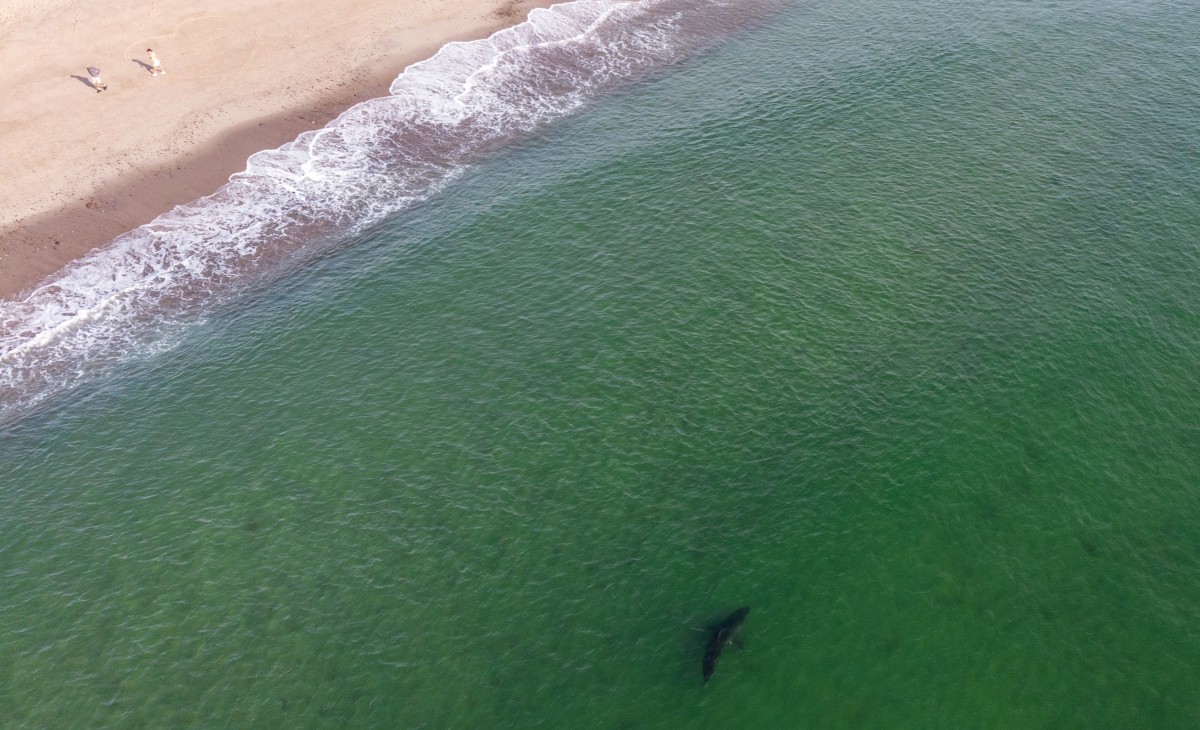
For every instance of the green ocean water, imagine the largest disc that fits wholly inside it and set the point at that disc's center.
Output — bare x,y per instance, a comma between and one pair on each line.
880,318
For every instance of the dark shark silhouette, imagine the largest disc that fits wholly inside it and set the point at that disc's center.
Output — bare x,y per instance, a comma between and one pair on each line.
722,634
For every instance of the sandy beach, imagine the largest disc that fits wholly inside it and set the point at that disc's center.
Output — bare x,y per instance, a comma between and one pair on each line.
82,167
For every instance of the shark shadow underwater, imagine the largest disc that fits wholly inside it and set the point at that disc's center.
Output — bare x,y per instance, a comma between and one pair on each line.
722,635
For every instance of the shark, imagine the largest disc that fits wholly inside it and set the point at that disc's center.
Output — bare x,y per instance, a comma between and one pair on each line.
722,635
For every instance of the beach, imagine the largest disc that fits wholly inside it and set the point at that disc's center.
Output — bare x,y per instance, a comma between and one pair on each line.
82,167
483,404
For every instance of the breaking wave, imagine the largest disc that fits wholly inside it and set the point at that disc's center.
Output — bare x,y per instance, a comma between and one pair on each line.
374,160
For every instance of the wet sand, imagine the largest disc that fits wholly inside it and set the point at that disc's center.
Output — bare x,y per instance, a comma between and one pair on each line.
82,167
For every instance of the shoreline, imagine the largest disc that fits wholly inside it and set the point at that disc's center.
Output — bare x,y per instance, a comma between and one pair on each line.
66,200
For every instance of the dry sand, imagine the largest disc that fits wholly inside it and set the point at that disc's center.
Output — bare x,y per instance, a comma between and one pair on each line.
81,167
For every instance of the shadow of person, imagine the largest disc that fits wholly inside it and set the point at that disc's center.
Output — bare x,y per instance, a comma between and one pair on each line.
143,64
84,80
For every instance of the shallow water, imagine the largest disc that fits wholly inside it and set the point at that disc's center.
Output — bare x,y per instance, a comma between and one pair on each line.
879,318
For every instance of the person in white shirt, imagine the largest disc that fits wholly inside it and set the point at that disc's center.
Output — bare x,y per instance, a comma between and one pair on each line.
155,64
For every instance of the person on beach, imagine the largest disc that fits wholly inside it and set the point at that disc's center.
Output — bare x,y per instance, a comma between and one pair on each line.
94,75
155,64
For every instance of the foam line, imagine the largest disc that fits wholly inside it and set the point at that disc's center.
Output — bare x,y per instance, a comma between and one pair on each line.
372,161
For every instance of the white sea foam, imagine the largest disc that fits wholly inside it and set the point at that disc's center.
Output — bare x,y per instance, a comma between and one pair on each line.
374,160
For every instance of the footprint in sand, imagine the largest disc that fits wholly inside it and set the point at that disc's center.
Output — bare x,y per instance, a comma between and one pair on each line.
212,48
